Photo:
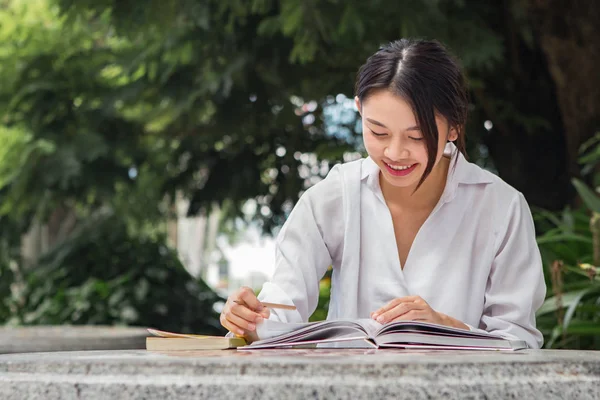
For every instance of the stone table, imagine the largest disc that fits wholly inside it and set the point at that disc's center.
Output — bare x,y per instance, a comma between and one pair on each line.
25,339
296,373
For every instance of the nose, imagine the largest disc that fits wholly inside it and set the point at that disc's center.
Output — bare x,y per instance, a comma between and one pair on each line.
396,149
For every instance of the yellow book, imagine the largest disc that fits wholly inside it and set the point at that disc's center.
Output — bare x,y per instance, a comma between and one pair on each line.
170,341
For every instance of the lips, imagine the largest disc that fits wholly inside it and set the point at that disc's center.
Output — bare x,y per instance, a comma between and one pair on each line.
403,171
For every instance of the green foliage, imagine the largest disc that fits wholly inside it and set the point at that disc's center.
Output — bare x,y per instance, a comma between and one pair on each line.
199,93
6,280
570,247
70,143
588,196
104,276
78,147
175,106
320,313
216,79
570,316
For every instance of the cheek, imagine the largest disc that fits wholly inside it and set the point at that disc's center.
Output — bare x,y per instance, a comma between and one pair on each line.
370,143
440,153
419,153
441,149
438,157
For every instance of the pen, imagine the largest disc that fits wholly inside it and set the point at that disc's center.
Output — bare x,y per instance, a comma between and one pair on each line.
273,305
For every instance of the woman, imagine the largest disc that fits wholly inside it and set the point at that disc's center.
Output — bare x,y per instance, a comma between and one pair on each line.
414,231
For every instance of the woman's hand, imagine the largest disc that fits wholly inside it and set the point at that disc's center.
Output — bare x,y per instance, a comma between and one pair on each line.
413,308
242,312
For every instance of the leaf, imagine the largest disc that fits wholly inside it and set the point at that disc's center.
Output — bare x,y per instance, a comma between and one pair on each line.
292,15
591,199
552,217
269,26
569,300
573,306
581,327
562,237
351,20
551,304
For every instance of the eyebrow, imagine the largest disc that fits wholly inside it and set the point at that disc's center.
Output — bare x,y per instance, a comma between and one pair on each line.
412,128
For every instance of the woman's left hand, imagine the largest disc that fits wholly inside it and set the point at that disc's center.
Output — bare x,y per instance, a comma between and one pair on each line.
413,308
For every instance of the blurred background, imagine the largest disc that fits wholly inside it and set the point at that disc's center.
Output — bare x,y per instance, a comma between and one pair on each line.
150,150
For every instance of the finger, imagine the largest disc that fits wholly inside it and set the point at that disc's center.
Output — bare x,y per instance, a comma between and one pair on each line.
247,296
397,311
266,313
242,311
259,315
394,303
411,298
238,331
388,306
414,315
240,322
420,300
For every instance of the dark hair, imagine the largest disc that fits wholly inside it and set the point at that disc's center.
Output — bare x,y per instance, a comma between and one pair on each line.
429,78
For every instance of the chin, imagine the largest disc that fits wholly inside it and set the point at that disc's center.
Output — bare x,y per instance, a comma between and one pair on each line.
399,182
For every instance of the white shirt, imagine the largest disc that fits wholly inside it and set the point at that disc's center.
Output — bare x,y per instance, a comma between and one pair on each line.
475,258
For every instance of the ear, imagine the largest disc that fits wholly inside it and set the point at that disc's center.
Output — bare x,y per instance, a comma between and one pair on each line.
452,134
357,103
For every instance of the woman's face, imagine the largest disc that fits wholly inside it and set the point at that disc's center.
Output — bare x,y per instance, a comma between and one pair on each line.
393,140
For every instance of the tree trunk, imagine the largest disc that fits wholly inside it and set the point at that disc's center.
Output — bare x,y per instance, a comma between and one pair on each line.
569,32
544,101
527,142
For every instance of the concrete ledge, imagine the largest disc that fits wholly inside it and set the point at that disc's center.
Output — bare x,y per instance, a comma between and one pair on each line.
70,338
278,374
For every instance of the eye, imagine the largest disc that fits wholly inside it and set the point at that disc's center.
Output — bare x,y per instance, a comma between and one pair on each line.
377,134
418,139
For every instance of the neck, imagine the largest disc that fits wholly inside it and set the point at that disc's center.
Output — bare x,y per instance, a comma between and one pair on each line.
428,194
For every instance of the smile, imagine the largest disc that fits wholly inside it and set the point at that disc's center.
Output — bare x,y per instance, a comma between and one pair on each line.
400,170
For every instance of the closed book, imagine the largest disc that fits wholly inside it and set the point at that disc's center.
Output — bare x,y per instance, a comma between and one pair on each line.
171,341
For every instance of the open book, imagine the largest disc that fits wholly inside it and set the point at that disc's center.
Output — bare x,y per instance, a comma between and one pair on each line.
371,334
170,341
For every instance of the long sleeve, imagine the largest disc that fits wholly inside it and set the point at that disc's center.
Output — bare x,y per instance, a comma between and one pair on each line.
304,249
516,286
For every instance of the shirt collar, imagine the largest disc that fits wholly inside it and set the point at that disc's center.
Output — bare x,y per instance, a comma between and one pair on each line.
461,171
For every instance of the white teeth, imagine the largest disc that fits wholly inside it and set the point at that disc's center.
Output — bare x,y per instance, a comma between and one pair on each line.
399,168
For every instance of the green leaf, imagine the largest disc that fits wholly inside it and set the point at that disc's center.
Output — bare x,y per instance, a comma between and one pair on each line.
573,307
292,15
581,327
269,26
589,197
552,217
351,21
569,300
562,237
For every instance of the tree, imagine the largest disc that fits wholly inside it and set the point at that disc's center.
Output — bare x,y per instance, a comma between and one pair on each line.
270,50
568,34
77,160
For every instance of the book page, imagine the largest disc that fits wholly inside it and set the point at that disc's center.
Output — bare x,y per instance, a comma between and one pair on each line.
269,328
370,326
426,327
280,332
400,339
165,334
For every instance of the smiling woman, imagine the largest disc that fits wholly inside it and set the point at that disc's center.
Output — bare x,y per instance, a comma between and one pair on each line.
399,146
414,231
421,93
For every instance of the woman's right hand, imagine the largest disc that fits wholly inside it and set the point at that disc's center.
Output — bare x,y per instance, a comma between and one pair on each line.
242,312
